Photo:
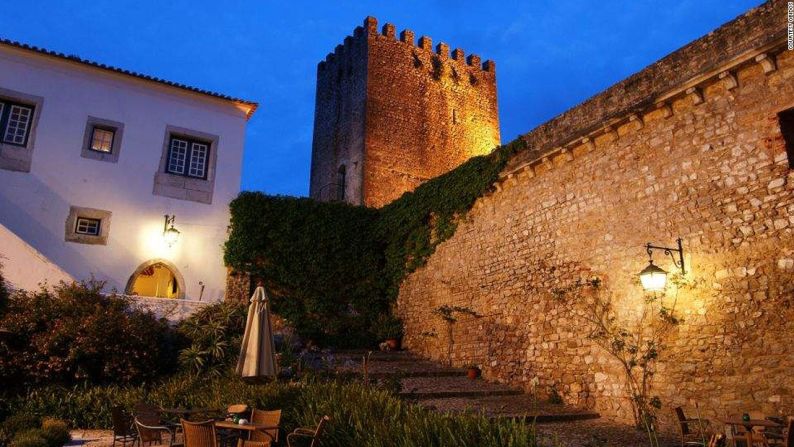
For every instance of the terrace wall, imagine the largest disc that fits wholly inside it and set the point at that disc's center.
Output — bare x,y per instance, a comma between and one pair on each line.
697,155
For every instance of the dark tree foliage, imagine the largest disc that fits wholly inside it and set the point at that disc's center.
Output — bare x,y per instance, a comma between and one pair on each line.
333,268
321,262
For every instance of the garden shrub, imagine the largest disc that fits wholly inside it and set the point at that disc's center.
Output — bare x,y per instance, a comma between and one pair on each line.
33,437
333,268
16,423
3,291
55,432
76,334
213,336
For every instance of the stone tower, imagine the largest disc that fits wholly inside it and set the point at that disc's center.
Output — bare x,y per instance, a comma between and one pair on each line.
391,114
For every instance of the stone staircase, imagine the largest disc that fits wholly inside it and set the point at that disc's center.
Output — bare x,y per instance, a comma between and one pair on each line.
446,389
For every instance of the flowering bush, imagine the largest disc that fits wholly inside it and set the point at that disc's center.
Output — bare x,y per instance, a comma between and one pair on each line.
76,334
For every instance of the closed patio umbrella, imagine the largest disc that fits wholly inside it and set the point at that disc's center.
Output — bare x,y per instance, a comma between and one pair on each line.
258,352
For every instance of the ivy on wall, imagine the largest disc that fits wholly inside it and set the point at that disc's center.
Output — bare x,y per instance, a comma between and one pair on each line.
333,268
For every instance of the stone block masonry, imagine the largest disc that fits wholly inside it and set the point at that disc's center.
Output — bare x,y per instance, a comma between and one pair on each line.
691,147
391,113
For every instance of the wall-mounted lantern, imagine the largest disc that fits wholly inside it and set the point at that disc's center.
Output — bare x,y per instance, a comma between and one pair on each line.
654,278
170,234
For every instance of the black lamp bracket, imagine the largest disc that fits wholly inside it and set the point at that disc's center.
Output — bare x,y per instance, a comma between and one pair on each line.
672,252
169,219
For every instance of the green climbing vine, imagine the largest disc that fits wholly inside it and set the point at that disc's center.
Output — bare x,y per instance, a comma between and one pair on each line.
334,268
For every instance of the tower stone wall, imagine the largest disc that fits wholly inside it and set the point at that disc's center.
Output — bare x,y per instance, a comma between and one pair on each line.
393,112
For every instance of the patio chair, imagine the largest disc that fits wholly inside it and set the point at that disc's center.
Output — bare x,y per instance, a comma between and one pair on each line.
690,429
123,430
246,443
789,434
271,418
776,436
153,434
718,440
311,433
199,434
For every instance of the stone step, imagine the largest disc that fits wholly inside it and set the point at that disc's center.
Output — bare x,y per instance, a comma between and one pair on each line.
418,388
517,407
389,356
401,368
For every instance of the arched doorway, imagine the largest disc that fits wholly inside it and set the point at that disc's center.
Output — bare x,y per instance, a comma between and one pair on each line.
156,278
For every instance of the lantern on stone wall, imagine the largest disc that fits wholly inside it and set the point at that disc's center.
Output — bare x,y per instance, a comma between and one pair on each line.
170,234
654,278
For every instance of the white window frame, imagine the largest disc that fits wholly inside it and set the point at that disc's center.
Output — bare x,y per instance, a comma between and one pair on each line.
84,225
185,160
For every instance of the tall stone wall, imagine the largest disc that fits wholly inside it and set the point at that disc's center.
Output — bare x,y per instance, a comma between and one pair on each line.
702,159
395,112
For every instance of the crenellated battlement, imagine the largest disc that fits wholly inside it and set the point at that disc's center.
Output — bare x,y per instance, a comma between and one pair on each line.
394,108
389,32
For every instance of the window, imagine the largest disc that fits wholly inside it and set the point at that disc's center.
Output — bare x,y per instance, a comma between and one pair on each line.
341,183
102,139
187,165
87,226
786,119
188,157
15,122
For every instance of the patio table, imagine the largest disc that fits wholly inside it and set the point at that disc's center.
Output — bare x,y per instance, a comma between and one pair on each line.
748,426
248,427
185,413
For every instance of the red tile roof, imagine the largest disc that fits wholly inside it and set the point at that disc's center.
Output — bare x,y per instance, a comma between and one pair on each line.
73,58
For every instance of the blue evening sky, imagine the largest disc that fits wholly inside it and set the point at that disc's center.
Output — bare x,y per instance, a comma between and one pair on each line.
550,55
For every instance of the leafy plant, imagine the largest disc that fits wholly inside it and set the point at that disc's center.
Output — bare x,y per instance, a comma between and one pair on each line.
75,334
213,335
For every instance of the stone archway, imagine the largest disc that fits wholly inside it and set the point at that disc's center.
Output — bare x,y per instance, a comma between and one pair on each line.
167,283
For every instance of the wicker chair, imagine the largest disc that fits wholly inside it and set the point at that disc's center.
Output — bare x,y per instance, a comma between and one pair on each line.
312,433
123,430
718,440
199,434
246,443
690,429
271,418
153,434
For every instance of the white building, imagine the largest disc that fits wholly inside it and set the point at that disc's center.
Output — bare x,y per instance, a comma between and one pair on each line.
92,159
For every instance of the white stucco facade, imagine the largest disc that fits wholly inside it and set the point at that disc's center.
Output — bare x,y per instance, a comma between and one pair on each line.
35,205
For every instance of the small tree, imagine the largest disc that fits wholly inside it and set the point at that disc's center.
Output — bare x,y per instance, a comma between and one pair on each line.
635,343
3,292
448,314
